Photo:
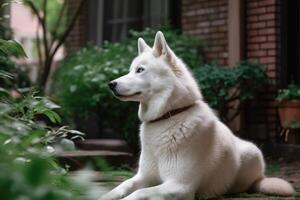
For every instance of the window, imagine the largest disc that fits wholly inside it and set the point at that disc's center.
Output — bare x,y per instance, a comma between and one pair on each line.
112,19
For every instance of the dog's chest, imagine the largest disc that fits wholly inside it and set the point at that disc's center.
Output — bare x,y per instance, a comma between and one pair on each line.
163,138
165,143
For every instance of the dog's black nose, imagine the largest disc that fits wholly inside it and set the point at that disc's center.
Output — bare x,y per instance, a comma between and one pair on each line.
112,85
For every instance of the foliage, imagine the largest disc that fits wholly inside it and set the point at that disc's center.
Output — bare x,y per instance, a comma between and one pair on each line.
12,48
293,124
81,81
290,93
15,74
223,85
27,167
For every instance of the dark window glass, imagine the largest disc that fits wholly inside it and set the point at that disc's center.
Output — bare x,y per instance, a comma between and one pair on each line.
112,19
290,70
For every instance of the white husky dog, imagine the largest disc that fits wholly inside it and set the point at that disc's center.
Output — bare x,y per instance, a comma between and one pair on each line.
186,150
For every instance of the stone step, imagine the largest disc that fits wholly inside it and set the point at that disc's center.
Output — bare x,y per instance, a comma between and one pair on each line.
103,144
79,159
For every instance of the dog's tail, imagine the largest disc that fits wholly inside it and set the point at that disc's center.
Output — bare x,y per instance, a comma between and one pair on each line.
274,186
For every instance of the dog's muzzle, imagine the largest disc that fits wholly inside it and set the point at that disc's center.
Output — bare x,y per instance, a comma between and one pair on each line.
112,85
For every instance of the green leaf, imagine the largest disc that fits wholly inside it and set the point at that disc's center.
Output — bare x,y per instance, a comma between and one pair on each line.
3,92
12,48
6,75
53,116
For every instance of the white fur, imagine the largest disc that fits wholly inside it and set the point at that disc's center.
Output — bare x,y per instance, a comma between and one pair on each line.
193,152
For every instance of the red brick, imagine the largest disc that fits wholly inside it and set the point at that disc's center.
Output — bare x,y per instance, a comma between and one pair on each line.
257,53
253,18
216,49
256,11
267,31
257,25
272,74
252,4
267,16
258,39
253,47
218,22
272,52
267,60
266,2
218,36
252,33
271,9
203,24
271,67
268,45
271,23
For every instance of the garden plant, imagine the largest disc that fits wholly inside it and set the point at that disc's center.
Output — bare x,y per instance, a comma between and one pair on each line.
28,168
289,106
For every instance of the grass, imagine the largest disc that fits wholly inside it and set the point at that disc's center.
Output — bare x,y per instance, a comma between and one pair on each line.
272,168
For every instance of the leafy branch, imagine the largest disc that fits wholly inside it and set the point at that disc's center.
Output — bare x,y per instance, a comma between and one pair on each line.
48,45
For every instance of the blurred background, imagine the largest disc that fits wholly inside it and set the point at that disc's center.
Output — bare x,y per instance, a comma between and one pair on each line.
245,55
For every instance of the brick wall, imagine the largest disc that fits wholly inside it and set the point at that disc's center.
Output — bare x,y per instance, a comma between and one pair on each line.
207,19
263,46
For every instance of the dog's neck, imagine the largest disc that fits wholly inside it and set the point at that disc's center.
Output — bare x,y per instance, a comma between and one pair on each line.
172,113
165,102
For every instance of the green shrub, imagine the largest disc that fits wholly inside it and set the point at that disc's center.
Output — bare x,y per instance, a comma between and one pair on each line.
222,85
290,93
80,84
16,75
28,169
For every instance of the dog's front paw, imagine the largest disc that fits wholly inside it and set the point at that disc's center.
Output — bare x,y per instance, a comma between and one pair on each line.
114,195
137,195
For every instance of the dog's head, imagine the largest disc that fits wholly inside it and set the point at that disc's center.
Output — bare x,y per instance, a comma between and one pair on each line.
155,71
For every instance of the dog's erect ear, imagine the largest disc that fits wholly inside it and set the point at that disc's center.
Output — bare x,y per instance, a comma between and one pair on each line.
160,46
142,46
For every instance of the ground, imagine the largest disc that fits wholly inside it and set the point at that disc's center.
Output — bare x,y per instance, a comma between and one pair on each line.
289,170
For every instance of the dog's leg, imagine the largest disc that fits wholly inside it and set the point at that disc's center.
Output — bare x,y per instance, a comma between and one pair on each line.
147,176
127,187
168,189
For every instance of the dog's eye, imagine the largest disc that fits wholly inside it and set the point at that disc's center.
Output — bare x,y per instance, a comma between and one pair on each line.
139,70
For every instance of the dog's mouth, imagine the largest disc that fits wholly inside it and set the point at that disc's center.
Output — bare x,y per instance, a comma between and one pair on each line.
127,96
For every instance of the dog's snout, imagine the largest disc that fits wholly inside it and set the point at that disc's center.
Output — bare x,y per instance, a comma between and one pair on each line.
112,85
